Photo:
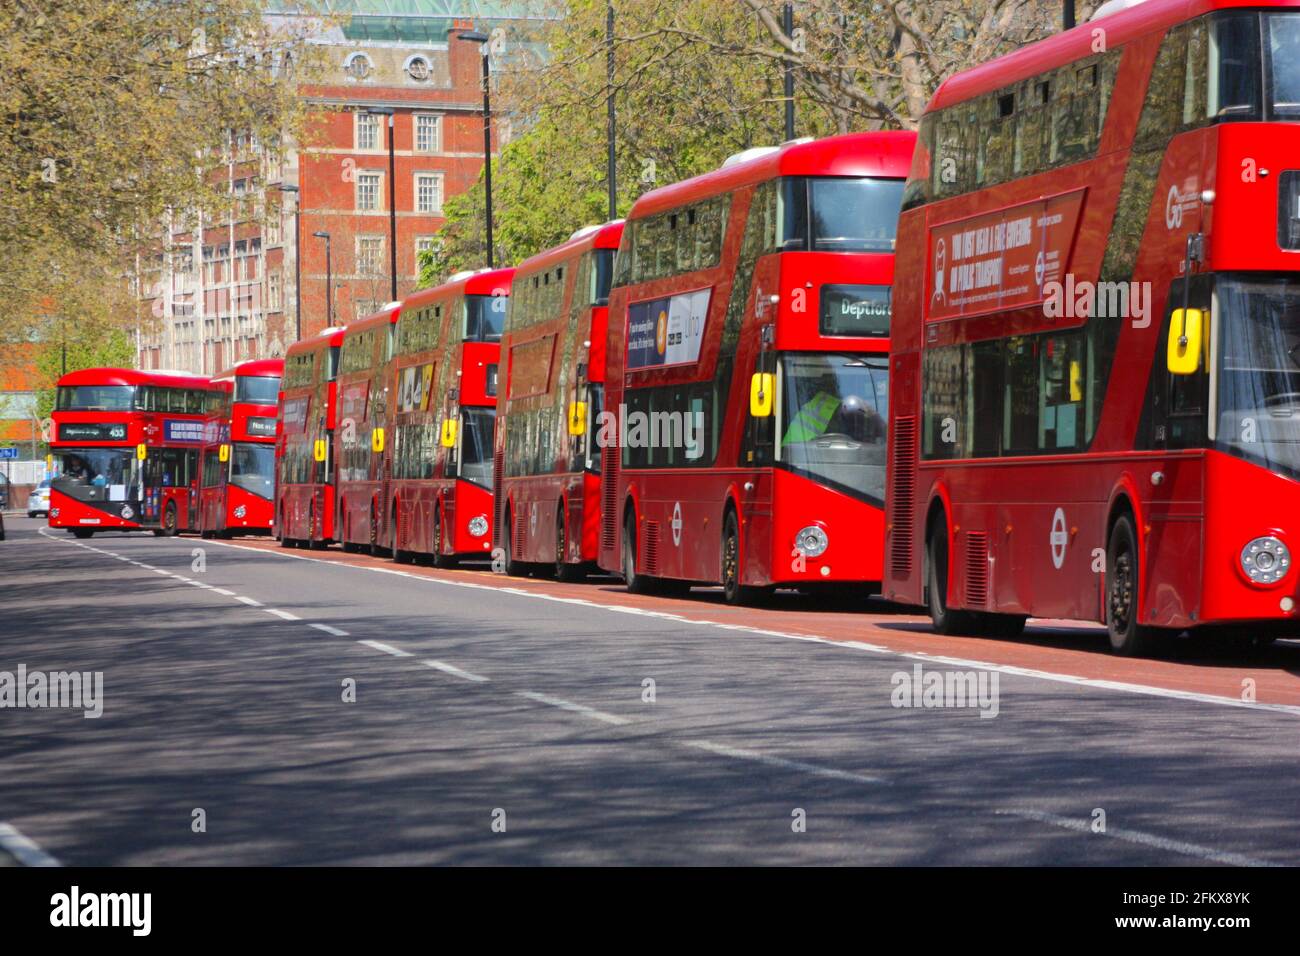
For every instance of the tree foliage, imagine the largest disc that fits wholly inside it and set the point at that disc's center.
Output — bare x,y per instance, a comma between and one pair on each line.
697,80
114,113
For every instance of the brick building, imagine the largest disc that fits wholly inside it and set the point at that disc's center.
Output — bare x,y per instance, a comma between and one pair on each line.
228,291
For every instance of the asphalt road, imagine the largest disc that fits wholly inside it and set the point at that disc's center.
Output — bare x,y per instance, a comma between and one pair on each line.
509,722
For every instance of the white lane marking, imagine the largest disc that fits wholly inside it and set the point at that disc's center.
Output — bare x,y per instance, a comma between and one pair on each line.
23,849
455,671
386,648
285,615
200,584
329,630
225,591
722,750
1137,836
181,577
166,574
247,600
1291,710
572,707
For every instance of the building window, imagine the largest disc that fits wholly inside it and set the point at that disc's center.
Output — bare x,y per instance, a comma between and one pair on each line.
366,307
367,133
428,193
417,68
357,66
274,292
428,133
273,232
368,190
370,255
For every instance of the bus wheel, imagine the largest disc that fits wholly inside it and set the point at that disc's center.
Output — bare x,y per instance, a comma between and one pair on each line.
82,533
733,592
440,560
170,526
564,571
636,583
400,556
943,619
1123,585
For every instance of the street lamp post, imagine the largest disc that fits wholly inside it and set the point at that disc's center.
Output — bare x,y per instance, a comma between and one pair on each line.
297,257
473,36
1067,15
392,197
329,279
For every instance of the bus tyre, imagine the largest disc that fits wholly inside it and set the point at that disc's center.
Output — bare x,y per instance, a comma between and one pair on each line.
943,619
733,592
170,527
440,560
564,571
82,533
636,583
1123,586
400,556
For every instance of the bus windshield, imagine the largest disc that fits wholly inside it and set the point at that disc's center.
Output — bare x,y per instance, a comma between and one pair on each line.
252,467
1258,394
834,419
114,470
260,390
854,215
96,398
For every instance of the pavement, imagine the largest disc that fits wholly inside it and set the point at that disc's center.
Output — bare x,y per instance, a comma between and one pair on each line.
263,706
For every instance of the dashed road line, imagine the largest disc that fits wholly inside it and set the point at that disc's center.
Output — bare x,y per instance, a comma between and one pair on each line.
736,753
1136,836
570,706
386,648
248,600
283,615
23,849
456,671
336,632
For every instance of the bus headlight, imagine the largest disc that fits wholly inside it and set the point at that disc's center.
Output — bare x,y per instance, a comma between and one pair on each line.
811,541
1265,560
127,513
478,526
240,511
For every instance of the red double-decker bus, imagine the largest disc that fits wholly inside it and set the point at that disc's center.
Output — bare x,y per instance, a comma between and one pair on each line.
747,371
1096,380
363,394
436,473
237,491
547,467
127,449
305,479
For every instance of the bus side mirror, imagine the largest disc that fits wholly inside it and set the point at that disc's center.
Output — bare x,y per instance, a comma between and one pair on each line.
318,450
1185,331
449,433
223,453
377,440
761,389
577,418
141,452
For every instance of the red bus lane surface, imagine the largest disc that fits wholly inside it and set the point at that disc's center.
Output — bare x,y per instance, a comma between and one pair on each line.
1066,651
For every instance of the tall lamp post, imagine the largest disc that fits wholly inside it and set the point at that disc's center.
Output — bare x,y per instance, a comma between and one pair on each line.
1067,15
392,197
297,257
473,36
329,279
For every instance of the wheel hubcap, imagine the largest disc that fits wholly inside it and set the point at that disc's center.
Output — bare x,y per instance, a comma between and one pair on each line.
730,561
1121,591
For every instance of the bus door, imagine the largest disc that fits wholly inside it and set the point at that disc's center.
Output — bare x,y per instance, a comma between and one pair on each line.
760,397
